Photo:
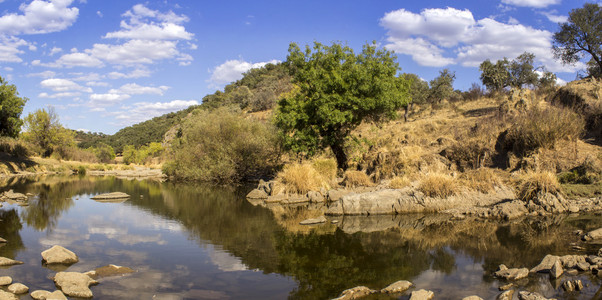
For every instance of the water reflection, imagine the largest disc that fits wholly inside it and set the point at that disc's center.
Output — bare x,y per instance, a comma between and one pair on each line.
196,241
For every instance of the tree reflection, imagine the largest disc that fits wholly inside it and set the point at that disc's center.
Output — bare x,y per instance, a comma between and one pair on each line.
10,225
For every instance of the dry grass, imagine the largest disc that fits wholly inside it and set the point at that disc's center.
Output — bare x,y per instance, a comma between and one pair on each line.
301,178
353,179
483,180
533,183
326,167
399,182
439,185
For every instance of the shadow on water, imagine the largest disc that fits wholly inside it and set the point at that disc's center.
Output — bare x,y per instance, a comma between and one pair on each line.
371,251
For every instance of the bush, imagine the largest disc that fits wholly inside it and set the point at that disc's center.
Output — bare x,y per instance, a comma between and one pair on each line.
104,152
356,178
438,185
301,178
534,183
483,180
587,173
327,168
74,153
13,147
222,145
142,155
399,182
542,128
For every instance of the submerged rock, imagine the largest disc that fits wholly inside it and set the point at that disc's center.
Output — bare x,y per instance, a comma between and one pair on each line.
355,293
110,196
511,274
74,284
7,296
6,280
109,270
397,287
18,288
59,255
10,195
546,264
318,220
46,295
472,298
4,261
422,295
524,295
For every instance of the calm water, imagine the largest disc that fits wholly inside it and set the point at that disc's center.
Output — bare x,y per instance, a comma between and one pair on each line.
201,242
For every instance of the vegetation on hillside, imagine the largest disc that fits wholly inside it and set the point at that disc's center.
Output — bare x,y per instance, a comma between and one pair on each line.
11,107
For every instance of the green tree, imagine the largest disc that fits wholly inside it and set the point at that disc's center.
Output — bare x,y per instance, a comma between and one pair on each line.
419,91
504,73
442,86
336,90
104,152
495,76
522,71
44,130
11,107
581,34
547,81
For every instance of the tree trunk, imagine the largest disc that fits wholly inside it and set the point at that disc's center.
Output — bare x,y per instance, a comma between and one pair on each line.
340,155
405,114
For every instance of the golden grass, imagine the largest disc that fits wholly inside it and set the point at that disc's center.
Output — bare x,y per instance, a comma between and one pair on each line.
353,179
326,167
533,183
399,182
301,178
438,185
483,180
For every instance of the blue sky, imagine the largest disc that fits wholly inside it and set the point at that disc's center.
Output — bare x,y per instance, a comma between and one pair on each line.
105,64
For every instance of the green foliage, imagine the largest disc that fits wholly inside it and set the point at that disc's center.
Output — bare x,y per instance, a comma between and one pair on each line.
419,89
140,156
336,90
221,145
104,152
495,76
522,71
504,73
581,34
11,107
44,130
86,140
547,81
14,147
258,90
442,86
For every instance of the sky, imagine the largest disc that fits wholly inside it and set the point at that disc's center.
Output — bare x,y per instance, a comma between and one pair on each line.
106,64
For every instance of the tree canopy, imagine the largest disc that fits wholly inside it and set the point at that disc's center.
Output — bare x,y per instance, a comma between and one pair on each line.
44,130
11,107
581,34
504,73
335,91
442,86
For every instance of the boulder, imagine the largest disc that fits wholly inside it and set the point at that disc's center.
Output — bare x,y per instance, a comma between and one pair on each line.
524,295
46,295
472,298
509,210
111,196
583,266
556,270
276,198
548,202
506,287
571,261
546,264
355,293
59,255
512,274
108,270
74,284
2,240
397,287
7,296
6,280
18,288
593,235
422,295
568,286
10,195
4,261
318,220
315,197
257,194
505,295
336,195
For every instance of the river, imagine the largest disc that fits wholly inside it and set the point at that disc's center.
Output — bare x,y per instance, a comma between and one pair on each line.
189,241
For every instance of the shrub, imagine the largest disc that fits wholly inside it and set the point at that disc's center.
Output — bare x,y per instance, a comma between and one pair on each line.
222,145
438,185
326,167
542,128
399,182
301,178
587,172
13,147
74,153
356,178
81,170
534,183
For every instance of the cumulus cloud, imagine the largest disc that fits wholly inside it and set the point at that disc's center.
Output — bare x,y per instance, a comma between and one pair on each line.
59,95
150,24
45,74
39,17
55,50
532,3
443,36
136,73
232,70
106,99
554,17
63,85
135,89
142,111
9,49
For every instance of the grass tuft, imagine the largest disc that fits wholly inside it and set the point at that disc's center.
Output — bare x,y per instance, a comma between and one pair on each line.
534,183
438,185
301,178
353,179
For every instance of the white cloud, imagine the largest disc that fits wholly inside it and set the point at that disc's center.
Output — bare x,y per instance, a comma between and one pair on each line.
9,49
532,3
45,74
77,59
135,52
39,17
106,99
439,37
60,95
86,76
143,111
137,73
97,83
135,89
232,70
63,85
554,17
55,50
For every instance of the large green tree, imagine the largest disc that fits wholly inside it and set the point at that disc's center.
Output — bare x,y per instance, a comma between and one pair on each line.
581,35
336,90
11,107
442,86
43,129
504,73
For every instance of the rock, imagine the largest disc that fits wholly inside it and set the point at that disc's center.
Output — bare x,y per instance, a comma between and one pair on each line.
509,210
546,264
600,252
336,195
9,262
574,209
472,298
319,220
276,198
74,284
548,202
46,295
571,261
578,284
506,295
355,293
10,195
422,295
2,240
265,186
109,270
7,296
556,270
295,199
506,287
18,288
257,194
593,235
571,272
110,196
59,255
502,267
593,260
512,274
315,197
397,287
6,280
524,295
568,286
583,266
